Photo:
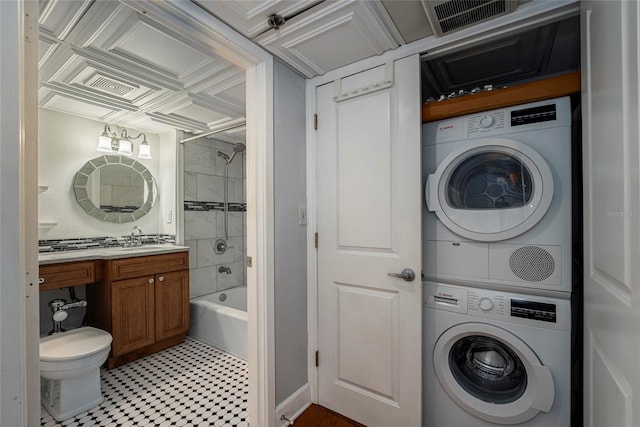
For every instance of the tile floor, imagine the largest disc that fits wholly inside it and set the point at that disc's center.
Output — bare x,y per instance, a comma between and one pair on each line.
191,384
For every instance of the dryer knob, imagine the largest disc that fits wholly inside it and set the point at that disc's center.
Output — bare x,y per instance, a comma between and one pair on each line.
486,121
485,304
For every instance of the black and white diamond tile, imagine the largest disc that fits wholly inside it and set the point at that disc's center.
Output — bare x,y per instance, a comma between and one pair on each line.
191,384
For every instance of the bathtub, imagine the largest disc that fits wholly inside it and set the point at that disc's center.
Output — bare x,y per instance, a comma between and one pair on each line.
220,319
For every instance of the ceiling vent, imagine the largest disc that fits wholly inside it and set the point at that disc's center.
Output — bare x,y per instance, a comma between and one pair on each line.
453,15
108,85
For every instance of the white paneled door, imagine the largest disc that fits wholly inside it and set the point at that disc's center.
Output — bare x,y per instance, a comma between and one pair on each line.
611,213
369,201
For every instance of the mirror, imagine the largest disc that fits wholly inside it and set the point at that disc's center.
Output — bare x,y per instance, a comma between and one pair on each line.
115,189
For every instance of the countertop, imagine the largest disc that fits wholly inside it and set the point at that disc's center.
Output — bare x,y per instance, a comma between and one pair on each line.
107,253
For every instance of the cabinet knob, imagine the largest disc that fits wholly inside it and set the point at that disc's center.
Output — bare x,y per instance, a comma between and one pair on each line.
161,278
41,280
151,280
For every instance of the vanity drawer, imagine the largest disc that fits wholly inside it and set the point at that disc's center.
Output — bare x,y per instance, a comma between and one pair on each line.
54,276
127,268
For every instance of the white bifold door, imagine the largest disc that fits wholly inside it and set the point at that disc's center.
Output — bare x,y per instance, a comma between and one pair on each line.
611,212
369,211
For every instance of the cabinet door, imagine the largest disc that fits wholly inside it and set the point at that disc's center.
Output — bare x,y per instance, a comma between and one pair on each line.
172,304
133,318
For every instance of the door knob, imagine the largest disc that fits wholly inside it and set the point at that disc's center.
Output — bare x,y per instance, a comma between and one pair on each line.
407,274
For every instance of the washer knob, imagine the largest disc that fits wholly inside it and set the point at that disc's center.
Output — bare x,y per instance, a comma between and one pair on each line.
486,121
485,304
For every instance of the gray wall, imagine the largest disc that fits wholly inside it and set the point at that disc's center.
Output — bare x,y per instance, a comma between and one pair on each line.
290,237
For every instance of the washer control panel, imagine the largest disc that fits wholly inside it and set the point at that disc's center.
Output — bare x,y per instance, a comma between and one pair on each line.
539,311
485,302
533,310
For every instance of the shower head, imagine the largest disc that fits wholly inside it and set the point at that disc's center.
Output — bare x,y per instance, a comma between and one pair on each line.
237,148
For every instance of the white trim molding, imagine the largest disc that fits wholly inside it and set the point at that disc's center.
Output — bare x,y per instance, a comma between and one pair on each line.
293,406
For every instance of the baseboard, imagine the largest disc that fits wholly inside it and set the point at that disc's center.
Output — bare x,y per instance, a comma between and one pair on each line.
294,405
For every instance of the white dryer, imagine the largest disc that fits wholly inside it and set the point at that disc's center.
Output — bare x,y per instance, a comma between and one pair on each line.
495,358
498,198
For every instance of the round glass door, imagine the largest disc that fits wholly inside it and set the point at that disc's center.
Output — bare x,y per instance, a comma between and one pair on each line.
491,190
492,373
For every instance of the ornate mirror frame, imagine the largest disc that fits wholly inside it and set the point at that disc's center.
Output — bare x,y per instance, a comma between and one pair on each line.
82,195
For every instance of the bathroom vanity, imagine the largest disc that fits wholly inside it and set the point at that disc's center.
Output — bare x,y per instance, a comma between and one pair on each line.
139,295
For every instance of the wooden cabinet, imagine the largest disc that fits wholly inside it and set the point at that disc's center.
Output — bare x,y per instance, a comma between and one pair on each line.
62,275
144,304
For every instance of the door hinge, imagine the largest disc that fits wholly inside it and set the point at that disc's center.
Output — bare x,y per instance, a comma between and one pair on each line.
249,262
316,241
317,357
315,121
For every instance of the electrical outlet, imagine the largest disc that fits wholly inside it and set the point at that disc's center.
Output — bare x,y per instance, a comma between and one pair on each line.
169,216
302,215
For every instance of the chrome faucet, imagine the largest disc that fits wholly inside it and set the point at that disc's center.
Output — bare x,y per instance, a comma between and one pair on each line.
136,239
223,269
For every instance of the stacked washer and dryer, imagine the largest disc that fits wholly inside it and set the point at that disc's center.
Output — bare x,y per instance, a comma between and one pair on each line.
498,267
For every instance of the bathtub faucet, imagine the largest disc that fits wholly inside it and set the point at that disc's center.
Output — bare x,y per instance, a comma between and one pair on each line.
223,269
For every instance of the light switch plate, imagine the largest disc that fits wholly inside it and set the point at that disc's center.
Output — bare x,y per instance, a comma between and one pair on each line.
302,215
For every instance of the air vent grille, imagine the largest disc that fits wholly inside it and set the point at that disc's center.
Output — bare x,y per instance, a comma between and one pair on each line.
532,263
453,15
111,86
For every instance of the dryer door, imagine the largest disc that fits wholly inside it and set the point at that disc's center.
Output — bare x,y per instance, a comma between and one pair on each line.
492,374
490,190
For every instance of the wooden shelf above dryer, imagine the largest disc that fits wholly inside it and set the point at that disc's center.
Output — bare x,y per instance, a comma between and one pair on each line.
554,87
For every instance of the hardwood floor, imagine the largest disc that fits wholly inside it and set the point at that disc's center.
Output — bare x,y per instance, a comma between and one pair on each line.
317,416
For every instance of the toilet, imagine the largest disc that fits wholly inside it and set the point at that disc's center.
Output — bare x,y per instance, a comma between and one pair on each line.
70,370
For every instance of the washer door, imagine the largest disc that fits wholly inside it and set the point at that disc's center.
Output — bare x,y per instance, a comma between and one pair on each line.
491,190
492,374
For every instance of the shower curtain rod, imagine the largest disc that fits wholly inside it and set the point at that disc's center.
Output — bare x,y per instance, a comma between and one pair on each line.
202,135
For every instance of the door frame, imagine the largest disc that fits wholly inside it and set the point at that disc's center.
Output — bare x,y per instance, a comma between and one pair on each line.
226,42
527,16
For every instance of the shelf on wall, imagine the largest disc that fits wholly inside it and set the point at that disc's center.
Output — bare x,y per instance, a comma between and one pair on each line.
554,87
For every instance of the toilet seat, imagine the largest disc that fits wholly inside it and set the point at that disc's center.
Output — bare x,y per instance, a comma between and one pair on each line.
74,344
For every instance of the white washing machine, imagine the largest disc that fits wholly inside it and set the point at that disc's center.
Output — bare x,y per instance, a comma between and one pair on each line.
495,358
498,198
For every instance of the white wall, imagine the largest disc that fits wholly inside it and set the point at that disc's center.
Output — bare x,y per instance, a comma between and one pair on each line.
66,143
290,237
167,182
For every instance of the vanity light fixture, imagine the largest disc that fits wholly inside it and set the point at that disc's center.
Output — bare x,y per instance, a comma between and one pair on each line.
109,142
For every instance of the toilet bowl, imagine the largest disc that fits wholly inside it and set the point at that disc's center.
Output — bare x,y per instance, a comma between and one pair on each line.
70,370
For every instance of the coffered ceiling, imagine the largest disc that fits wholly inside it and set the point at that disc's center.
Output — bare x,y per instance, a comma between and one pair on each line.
105,60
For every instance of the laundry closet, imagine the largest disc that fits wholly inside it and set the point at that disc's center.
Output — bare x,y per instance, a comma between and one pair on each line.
468,244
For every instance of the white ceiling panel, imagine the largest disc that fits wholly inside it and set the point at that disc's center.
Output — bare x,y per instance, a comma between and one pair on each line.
76,107
148,45
45,48
249,17
331,35
104,61
196,112
58,17
235,94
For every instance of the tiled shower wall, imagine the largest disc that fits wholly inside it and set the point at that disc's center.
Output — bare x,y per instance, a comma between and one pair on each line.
204,220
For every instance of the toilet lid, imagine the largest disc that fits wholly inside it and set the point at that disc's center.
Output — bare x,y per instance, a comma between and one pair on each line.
74,344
